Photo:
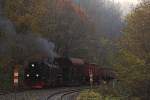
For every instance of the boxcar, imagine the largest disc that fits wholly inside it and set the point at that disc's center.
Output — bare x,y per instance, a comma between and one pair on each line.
72,70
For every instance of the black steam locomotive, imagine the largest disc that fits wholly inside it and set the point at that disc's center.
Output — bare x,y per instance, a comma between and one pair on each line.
41,74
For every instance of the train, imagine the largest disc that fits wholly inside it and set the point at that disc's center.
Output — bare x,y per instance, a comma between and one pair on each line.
65,71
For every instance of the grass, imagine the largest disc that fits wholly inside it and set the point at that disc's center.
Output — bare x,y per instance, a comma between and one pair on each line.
102,92
89,95
95,95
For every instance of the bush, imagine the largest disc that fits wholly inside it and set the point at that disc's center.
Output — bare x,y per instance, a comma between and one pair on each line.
5,78
89,95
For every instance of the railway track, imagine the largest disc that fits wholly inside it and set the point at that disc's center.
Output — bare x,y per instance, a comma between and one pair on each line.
2,92
72,95
42,94
66,94
27,95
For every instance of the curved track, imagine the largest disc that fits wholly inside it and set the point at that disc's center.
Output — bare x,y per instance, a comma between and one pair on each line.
65,94
41,94
72,95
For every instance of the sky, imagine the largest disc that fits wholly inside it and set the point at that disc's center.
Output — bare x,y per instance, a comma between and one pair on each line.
127,1
127,5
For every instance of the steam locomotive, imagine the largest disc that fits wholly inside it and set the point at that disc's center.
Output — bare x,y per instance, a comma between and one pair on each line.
64,71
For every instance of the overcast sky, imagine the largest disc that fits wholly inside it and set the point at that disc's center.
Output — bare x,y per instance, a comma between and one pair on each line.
127,1
127,5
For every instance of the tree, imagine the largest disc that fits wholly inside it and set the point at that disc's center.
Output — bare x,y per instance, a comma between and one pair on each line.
59,21
133,68
105,14
27,15
137,37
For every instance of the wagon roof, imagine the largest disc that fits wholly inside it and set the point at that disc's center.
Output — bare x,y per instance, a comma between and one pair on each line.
74,61
77,61
104,68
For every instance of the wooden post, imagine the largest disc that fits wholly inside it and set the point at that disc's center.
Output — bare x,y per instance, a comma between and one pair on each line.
15,78
91,78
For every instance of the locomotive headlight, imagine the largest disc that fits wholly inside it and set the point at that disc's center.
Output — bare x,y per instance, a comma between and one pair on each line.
32,65
28,75
37,75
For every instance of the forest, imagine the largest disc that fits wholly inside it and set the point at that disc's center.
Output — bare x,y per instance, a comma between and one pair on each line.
94,30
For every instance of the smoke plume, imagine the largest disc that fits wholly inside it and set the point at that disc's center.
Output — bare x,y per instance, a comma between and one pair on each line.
21,47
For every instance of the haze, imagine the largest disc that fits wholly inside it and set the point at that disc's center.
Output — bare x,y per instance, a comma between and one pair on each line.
127,5
127,1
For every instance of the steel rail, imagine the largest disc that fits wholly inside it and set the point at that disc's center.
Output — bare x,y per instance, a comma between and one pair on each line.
63,92
68,93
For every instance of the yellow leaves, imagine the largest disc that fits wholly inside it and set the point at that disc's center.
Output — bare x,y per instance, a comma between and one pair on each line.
137,30
104,41
39,8
131,70
28,13
101,93
129,58
89,95
24,19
